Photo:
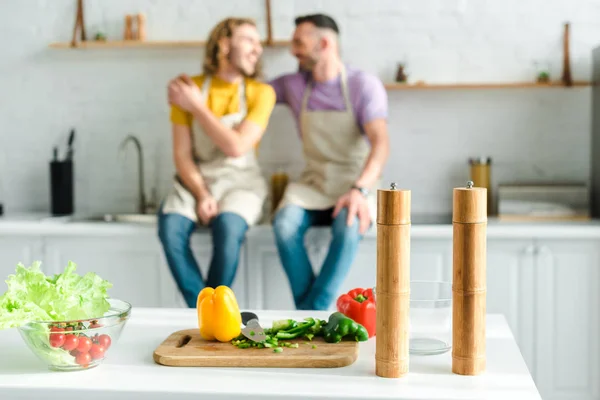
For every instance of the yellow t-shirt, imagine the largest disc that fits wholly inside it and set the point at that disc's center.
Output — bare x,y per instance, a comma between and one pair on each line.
223,99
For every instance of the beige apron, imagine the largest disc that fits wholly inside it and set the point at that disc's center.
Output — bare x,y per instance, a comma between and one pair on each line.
236,183
335,152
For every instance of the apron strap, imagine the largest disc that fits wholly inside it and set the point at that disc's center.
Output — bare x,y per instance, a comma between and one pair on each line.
305,97
243,109
206,86
345,92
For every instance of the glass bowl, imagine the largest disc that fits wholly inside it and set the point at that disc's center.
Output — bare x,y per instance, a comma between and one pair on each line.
430,317
76,345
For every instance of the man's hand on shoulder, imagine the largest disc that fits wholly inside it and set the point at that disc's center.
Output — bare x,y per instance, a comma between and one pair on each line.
357,206
185,94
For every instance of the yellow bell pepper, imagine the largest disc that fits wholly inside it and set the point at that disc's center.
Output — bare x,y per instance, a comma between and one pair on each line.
218,314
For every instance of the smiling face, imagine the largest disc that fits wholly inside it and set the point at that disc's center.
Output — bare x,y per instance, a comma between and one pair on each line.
307,46
244,49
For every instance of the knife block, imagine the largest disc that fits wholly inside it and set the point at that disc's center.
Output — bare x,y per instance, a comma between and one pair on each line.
469,224
393,282
61,187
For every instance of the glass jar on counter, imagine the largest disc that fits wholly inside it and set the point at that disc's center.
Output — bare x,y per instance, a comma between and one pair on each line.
430,316
279,182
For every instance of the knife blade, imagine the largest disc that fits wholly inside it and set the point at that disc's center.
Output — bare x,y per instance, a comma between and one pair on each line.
253,330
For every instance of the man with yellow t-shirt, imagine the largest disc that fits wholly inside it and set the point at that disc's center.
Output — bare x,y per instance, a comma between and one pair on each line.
218,120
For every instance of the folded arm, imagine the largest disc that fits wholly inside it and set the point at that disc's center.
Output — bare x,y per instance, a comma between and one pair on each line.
235,141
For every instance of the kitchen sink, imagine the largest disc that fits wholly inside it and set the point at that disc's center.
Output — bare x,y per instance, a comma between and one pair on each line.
120,218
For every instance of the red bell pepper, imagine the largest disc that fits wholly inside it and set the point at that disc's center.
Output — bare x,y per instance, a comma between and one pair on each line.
359,305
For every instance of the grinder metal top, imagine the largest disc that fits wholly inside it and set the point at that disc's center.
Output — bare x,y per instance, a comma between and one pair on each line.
393,206
469,204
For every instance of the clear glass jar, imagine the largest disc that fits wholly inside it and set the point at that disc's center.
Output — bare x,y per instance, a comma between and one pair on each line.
430,317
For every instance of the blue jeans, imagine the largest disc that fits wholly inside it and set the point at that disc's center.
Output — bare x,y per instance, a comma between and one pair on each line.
228,232
290,226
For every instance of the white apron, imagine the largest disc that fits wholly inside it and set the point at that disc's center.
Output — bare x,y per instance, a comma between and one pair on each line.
236,183
335,151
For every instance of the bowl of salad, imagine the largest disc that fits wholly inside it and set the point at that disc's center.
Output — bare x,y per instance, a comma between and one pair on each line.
67,320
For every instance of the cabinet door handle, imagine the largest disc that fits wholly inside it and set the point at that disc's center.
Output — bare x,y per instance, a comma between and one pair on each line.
530,250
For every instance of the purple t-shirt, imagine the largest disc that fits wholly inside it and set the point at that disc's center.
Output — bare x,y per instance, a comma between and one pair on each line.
367,94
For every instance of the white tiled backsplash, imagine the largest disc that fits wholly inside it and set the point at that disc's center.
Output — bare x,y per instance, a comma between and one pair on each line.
107,94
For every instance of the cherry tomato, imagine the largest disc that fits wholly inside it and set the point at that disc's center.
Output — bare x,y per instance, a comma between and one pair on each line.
85,343
104,341
83,358
56,329
57,339
97,351
74,352
71,342
69,329
95,325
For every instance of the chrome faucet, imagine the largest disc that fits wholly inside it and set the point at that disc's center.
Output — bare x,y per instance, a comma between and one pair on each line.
142,204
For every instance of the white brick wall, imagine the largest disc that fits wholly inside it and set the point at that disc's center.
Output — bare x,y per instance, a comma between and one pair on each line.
107,94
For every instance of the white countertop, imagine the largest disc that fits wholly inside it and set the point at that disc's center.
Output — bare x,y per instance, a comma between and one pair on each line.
130,373
41,224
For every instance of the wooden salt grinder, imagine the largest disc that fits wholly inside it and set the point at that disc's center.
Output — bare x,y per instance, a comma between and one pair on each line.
393,282
469,221
141,27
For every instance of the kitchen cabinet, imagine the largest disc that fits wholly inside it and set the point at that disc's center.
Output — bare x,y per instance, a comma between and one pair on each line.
133,266
548,292
15,249
510,282
567,320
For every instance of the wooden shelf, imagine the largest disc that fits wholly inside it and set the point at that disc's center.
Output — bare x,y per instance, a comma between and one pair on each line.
118,44
508,85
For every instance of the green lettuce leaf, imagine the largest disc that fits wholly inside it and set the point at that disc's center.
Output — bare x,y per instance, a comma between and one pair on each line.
33,296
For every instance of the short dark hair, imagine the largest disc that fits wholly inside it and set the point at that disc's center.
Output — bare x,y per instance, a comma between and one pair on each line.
318,20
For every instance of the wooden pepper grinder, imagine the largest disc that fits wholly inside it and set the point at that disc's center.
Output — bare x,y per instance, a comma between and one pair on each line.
393,282
129,32
469,221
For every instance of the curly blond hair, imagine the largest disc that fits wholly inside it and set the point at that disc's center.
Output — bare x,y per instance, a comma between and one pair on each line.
223,29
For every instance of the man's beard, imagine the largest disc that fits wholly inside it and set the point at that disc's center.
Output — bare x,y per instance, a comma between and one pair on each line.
310,61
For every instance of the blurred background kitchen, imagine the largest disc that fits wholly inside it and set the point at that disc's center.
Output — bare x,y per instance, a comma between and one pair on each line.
531,134
497,92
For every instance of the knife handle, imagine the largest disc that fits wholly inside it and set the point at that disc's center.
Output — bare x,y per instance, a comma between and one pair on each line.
247,316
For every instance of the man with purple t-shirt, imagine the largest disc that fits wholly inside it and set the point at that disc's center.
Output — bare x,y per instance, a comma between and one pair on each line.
341,114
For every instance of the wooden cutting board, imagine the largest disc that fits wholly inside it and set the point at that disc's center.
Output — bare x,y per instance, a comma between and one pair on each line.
187,349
